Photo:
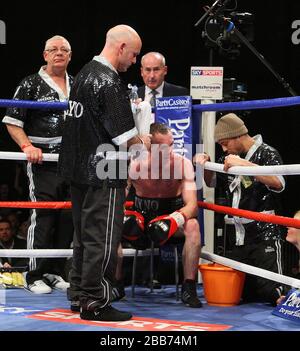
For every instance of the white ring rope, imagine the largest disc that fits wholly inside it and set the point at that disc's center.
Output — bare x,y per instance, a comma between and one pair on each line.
236,170
250,269
255,170
59,253
217,167
7,155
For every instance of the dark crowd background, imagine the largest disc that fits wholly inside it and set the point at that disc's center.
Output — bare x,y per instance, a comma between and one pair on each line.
167,27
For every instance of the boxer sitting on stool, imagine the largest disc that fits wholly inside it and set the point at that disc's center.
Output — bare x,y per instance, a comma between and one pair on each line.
165,205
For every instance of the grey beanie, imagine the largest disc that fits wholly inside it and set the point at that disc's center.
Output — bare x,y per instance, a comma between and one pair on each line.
229,126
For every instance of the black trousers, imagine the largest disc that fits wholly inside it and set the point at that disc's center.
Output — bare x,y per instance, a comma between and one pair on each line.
49,229
264,254
98,220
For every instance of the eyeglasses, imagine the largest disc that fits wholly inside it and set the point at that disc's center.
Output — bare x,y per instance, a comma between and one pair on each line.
65,51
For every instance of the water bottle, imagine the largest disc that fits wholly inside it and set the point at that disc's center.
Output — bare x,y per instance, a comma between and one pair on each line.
133,95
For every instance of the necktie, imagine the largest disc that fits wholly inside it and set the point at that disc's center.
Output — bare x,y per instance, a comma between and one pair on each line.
152,100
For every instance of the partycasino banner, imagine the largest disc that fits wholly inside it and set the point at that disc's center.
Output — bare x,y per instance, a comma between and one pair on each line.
289,308
176,112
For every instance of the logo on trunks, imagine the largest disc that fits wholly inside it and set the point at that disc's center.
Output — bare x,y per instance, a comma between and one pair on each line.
296,34
2,32
75,109
146,204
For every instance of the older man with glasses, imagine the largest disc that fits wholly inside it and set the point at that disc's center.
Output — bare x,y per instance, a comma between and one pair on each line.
37,132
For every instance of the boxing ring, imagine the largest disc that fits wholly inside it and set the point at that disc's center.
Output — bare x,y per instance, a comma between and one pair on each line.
21,310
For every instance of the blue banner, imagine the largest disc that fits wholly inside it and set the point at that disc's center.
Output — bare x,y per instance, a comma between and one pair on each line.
290,307
176,112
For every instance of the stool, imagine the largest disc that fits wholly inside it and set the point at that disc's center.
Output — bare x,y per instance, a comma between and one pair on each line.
155,251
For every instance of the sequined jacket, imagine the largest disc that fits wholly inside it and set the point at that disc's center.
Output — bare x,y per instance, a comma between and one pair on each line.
254,195
43,127
99,117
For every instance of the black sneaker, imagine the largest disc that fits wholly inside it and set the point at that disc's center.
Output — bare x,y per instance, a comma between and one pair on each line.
75,306
189,294
118,292
108,313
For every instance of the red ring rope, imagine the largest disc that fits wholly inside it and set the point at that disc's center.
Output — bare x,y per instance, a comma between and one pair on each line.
257,216
55,205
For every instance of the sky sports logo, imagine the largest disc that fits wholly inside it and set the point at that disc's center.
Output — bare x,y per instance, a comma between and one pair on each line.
2,32
207,72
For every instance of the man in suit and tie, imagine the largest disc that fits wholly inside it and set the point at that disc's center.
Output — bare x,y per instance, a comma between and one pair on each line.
153,72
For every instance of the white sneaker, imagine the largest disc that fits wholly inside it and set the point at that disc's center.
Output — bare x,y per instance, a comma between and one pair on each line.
37,287
56,282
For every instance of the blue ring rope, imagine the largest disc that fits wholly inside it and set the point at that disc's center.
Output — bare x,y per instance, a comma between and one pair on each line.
34,104
249,105
223,106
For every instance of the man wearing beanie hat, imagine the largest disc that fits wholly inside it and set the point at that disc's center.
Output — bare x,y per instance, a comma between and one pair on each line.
255,243
229,126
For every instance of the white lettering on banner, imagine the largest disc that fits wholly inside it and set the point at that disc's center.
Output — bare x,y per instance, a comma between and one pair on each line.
172,102
181,124
289,313
296,34
210,72
178,136
293,300
207,87
2,32
178,126
75,109
196,72
216,72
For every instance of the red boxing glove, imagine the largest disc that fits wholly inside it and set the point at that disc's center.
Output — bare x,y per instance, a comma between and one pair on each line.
133,226
161,228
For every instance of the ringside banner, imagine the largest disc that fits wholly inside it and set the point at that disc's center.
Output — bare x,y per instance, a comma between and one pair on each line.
290,307
207,83
176,112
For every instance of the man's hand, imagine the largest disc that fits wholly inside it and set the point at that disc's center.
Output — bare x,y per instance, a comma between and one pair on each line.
137,101
234,160
33,154
146,139
201,159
